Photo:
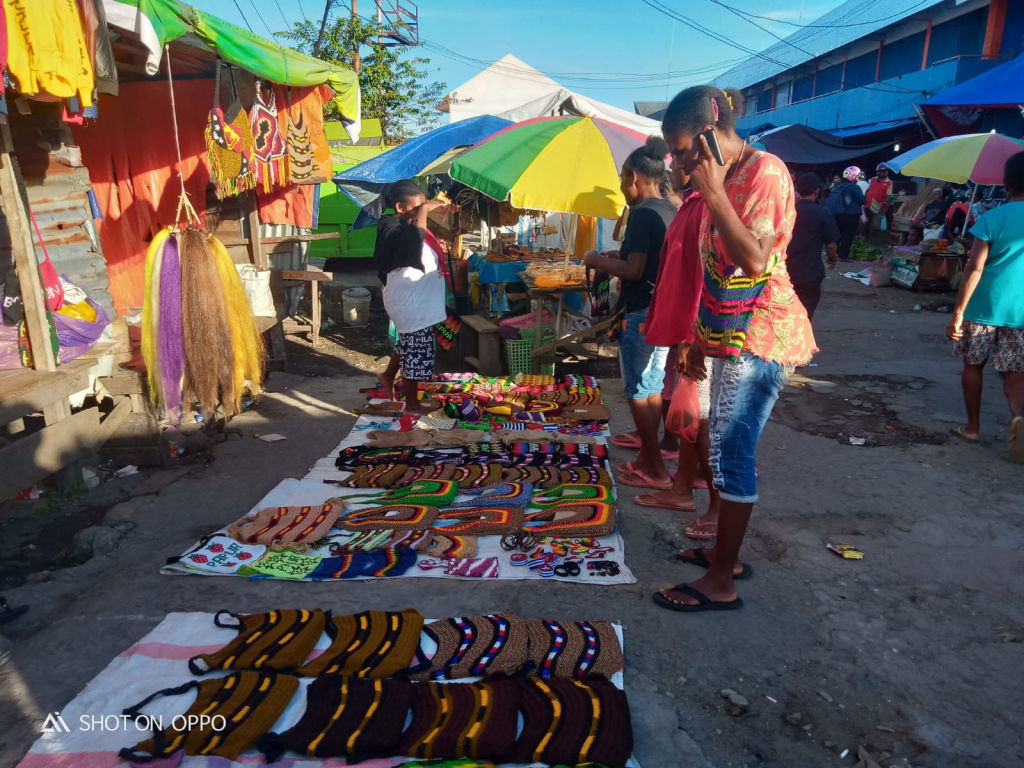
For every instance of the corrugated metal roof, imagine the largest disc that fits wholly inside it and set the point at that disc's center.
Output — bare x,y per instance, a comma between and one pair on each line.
61,207
648,108
849,22
873,128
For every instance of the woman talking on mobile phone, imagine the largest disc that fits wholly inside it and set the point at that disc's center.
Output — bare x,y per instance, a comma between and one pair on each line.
750,323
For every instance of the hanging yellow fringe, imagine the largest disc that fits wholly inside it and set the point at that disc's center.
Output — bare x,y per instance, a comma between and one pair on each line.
246,342
151,311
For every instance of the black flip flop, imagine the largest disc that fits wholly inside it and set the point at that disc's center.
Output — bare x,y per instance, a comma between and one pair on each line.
699,558
7,613
704,603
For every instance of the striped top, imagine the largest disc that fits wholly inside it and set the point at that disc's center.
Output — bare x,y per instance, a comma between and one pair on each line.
759,315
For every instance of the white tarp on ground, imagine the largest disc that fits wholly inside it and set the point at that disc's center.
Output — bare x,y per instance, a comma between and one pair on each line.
156,662
312,490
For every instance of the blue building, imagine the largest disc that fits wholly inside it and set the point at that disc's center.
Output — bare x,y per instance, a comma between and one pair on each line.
865,68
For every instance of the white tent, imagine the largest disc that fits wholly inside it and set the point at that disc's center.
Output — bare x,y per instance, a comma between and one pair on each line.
512,89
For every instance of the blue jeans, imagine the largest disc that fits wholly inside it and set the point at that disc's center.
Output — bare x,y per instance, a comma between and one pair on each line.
743,394
643,365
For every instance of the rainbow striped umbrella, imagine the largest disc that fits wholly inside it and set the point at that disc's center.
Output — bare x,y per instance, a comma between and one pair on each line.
979,157
562,164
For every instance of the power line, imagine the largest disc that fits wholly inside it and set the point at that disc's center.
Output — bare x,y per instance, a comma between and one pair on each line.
244,19
658,6
819,26
809,54
284,18
588,77
688,22
262,18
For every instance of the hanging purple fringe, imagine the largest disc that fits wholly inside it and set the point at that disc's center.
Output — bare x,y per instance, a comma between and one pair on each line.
171,343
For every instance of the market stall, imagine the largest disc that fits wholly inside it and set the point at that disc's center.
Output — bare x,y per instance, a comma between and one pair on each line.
375,689
931,265
178,120
560,164
508,479
935,264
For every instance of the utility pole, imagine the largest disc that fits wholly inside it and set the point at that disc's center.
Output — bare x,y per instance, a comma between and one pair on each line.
323,27
356,61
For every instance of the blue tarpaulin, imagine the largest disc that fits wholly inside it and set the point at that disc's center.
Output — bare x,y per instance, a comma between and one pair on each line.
363,182
989,101
1001,86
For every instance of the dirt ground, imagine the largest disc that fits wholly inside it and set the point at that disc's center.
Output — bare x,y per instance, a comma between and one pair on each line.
909,657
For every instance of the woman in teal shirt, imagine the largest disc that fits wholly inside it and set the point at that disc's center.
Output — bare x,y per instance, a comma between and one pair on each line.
988,320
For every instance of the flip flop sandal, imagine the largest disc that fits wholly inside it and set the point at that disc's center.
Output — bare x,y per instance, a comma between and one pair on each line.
704,603
959,432
637,479
7,613
628,467
700,484
1017,440
625,441
667,455
699,558
701,532
639,501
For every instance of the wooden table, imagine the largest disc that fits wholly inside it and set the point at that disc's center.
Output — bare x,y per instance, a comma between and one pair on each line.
537,297
313,277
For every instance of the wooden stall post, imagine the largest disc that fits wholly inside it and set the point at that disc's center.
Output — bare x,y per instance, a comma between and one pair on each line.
256,253
33,296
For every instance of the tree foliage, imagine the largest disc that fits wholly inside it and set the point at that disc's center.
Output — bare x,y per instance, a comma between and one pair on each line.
394,89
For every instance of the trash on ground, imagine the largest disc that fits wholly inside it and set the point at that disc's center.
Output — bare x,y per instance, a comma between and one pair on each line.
127,471
273,437
846,551
864,276
858,440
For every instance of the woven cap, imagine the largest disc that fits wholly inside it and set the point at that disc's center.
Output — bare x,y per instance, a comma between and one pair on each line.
476,645
593,723
369,644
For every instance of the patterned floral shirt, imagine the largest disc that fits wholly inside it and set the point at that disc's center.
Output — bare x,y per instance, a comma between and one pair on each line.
761,316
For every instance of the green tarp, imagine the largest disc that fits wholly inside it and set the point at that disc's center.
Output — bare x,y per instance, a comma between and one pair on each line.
160,21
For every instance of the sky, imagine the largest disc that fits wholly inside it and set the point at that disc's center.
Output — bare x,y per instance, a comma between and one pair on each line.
616,51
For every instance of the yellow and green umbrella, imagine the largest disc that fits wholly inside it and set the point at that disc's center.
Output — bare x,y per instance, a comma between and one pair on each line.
562,164
979,157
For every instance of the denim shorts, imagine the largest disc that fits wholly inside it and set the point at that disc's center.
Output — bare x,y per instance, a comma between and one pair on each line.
643,365
743,394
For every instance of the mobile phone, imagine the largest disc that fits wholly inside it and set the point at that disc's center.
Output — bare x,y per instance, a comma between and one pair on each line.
712,139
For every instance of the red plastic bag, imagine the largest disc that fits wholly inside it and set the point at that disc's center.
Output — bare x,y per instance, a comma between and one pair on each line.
683,416
51,282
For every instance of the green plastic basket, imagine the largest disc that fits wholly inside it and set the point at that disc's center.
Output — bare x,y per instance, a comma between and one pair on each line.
519,353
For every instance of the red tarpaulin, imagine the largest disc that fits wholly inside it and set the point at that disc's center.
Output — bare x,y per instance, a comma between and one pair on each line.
130,153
